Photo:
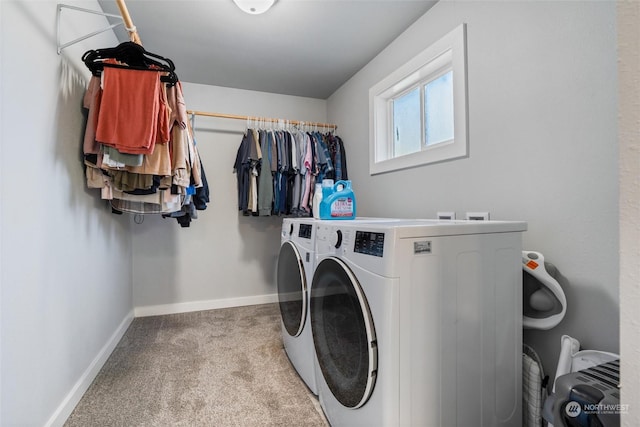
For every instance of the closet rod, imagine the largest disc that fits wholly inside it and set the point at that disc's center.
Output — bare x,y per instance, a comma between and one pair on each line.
128,22
264,119
133,34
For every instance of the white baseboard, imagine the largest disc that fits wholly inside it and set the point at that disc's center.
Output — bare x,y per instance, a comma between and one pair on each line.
71,400
185,307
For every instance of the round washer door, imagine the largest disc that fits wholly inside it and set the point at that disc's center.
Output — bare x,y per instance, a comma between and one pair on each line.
292,289
343,333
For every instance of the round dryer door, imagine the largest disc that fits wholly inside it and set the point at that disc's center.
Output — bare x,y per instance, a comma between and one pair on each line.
343,333
292,289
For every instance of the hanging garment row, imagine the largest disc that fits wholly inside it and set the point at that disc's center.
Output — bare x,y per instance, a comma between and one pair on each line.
139,148
277,170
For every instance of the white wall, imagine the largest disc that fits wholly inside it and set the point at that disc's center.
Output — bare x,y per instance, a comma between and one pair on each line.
223,258
542,132
66,261
629,123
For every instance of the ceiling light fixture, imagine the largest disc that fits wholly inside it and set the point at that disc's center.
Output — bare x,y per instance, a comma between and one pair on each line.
254,7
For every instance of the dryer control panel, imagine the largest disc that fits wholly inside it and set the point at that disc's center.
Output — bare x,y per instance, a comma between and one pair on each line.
369,243
332,240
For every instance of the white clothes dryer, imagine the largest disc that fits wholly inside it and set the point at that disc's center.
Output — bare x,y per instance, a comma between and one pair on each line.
419,323
296,262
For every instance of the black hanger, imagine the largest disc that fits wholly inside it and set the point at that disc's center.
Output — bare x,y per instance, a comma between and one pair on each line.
134,56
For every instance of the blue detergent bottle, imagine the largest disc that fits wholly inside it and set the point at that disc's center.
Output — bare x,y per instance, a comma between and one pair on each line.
338,202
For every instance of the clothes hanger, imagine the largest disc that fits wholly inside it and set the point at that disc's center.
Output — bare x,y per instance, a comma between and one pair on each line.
134,56
130,53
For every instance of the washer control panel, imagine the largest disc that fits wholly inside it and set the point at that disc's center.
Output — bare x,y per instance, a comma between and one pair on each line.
305,231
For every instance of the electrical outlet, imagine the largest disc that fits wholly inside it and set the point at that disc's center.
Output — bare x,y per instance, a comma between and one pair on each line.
478,216
446,215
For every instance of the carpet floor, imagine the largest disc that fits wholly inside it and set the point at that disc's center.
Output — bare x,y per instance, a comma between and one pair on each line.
223,367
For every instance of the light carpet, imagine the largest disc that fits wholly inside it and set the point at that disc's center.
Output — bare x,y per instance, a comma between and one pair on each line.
223,367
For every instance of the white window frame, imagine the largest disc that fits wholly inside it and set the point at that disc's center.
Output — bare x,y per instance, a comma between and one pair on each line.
448,53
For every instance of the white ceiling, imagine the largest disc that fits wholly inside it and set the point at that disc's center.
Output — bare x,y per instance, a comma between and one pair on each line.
299,47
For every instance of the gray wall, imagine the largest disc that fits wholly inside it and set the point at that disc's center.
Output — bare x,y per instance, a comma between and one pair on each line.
542,131
223,258
66,261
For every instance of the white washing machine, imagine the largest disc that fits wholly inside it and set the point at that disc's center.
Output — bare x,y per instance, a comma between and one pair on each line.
418,323
296,262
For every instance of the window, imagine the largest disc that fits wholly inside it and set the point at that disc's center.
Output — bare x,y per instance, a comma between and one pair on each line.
406,123
418,114
438,109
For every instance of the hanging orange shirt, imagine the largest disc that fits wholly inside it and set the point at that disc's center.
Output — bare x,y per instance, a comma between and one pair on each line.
129,109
